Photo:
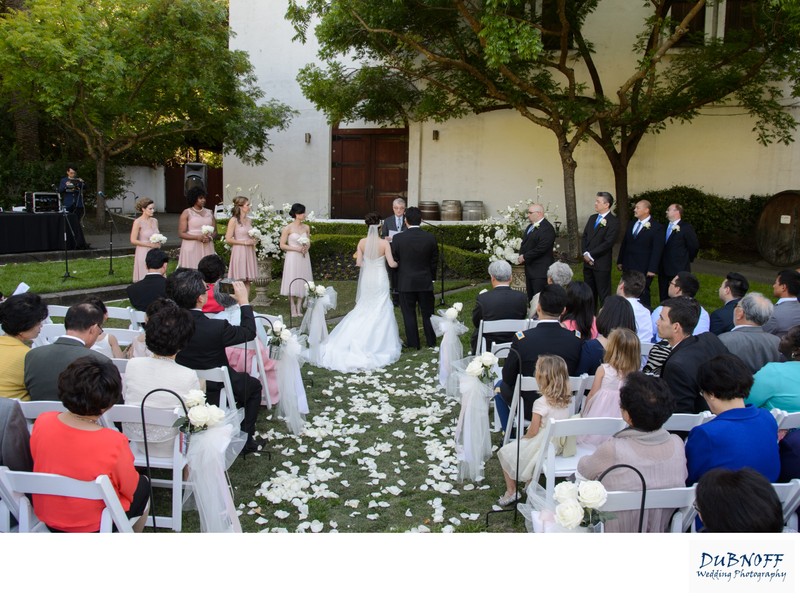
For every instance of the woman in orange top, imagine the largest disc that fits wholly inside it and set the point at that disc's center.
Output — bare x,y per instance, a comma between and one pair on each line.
74,444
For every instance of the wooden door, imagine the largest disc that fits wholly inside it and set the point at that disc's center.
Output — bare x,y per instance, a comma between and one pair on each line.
369,169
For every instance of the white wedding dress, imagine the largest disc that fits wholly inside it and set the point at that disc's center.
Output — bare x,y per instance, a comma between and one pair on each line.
367,338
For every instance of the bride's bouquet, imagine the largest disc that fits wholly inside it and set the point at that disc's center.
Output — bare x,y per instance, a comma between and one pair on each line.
447,325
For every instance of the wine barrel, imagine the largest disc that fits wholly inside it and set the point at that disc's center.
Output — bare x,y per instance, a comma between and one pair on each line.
778,231
430,210
451,209
473,210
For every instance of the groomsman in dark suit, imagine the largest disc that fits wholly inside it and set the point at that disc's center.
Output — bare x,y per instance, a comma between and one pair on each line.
732,289
680,249
206,348
501,303
598,240
154,283
391,226
641,247
416,254
536,250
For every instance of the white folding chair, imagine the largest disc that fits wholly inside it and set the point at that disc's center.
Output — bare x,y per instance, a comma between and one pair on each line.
119,313
137,319
256,363
57,311
789,494
18,484
579,385
132,414
124,336
683,422
558,466
220,374
680,499
524,384
122,364
33,409
49,333
495,326
785,420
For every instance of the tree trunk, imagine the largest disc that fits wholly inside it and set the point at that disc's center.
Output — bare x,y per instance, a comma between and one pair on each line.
568,166
621,189
26,129
100,205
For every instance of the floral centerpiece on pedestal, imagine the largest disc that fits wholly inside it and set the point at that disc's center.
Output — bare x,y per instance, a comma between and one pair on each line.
268,222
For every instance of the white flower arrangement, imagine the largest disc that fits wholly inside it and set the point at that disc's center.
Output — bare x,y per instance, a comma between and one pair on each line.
452,313
200,415
578,504
158,238
268,224
304,240
207,229
501,237
280,334
315,290
481,367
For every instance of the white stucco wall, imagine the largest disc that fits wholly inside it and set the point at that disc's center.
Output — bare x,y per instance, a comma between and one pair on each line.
498,157
144,182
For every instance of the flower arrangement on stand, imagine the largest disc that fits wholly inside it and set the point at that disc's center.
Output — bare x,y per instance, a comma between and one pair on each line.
199,415
280,334
267,226
314,292
578,504
482,367
447,325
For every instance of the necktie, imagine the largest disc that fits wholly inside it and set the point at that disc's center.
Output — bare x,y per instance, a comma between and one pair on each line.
669,230
530,228
399,223
636,228
597,221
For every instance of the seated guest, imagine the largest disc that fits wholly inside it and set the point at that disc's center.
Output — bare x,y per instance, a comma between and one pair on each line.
741,501
732,289
206,348
21,318
676,324
154,283
558,273
747,339
105,344
43,365
547,338
646,405
166,332
213,269
631,286
15,451
787,309
76,445
683,284
501,303
777,385
615,313
738,436
579,313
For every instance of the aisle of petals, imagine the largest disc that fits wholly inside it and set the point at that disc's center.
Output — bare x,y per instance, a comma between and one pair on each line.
373,441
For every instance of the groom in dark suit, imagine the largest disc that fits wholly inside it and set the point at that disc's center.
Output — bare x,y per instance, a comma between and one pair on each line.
641,247
416,254
598,240
391,226
206,348
536,250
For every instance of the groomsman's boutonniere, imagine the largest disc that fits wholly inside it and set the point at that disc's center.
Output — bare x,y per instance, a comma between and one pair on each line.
603,222
535,226
676,228
646,225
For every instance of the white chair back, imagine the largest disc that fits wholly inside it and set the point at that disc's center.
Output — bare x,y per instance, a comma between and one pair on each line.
789,494
220,374
495,326
49,333
119,313
122,364
256,364
785,420
124,336
17,484
33,409
579,385
524,384
137,319
57,311
681,499
683,422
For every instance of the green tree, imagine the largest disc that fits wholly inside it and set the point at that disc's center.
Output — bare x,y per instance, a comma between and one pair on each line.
440,59
120,74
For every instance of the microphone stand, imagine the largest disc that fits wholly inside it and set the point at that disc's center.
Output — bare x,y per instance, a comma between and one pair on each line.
65,218
111,227
440,232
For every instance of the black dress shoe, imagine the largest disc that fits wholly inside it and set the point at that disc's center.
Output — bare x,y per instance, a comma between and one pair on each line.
251,446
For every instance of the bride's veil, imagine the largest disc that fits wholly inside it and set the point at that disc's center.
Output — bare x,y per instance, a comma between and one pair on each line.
371,252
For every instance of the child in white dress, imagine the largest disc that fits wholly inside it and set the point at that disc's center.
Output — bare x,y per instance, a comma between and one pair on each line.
552,377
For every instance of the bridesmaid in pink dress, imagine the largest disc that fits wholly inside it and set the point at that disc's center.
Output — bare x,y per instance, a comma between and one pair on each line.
243,264
144,227
195,245
297,263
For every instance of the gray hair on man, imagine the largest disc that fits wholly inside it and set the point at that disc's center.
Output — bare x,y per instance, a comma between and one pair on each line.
756,308
560,273
399,201
500,271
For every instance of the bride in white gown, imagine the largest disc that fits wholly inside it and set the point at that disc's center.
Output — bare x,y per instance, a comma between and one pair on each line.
367,337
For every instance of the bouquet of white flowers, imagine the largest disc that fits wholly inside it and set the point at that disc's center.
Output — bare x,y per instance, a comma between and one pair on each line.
481,367
280,334
158,238
315,290
578,504
201,415
207,229
452,313
304,240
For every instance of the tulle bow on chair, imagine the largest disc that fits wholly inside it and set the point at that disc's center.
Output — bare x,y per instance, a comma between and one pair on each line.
472,435
449,328
314,325
293,403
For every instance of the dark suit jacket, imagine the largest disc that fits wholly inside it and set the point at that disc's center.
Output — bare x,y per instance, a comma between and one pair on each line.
147,290
15,451
501,303
679,251
600,241
537,249
206,349
548,338
754,346
722,319
416,254
642,253
390,224
681,367
43,365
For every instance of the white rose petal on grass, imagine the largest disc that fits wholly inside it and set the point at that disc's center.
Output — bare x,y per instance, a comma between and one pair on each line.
352,503
316,526
448,529
281,514
408,513
252,504
261,521
372,516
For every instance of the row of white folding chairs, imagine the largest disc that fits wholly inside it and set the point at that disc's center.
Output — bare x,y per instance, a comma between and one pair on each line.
500,326
50,332
128,314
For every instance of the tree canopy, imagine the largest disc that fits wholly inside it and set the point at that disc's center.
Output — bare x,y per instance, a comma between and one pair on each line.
440,59
121,74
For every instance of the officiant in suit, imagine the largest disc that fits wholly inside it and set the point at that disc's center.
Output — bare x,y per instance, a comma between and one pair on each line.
680,249
641,247
536,250
416,254
206,348
597,242
391,226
